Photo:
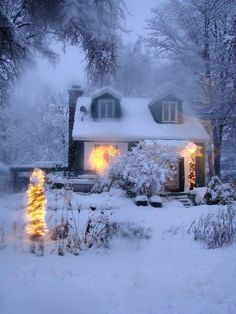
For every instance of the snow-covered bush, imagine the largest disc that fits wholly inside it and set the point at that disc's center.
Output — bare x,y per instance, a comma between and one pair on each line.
216,229
100,230
197,195
218,192
144,170
130,231
60,231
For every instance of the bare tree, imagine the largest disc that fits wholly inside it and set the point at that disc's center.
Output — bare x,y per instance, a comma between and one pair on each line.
201,34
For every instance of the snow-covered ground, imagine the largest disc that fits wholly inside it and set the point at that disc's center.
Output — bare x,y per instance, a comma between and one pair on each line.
167,274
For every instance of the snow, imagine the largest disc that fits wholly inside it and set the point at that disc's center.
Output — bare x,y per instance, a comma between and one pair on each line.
106,89
141,198
137,123
168,274
155,198
199,192
3,168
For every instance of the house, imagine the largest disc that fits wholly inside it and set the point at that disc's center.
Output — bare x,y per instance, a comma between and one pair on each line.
106,124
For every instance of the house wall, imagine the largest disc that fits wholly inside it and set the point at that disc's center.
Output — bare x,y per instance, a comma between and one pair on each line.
84,149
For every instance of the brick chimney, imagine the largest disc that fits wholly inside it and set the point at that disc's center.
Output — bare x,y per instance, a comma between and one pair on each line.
74,93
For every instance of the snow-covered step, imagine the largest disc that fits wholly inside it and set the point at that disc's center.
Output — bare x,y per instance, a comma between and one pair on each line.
181,197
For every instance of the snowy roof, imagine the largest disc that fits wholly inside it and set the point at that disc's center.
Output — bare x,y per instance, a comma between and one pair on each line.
166,90
104,90
137,123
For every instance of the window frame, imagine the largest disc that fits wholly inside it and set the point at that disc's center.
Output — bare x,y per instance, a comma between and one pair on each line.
169,105
106,103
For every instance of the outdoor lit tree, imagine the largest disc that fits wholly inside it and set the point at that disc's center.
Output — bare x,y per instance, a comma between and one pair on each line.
36,209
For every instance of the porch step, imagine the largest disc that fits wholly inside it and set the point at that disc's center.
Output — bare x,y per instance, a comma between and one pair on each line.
178,196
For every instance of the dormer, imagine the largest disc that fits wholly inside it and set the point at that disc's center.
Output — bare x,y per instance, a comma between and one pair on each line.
167,110
106,104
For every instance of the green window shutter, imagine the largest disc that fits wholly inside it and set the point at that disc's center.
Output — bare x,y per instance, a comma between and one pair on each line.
156,110
79,163
117,109
94,109
180,112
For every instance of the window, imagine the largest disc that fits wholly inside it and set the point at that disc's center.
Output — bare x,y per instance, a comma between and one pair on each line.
106,108
170,111
102,155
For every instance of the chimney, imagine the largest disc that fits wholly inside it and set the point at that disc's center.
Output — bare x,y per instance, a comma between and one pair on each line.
74,93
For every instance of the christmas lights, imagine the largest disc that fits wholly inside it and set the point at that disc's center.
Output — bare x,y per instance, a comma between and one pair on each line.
36,206
193,151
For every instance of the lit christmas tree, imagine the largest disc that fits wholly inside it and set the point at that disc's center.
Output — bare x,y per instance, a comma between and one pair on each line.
36,226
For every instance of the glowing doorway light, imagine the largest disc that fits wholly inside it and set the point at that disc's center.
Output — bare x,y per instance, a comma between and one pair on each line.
36,206
102,155
193,152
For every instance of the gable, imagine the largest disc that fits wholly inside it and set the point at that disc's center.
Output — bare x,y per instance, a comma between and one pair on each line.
157,106
96,101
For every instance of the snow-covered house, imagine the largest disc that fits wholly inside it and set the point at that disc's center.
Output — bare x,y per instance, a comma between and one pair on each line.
106,124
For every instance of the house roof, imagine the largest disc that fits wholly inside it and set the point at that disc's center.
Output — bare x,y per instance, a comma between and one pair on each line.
137,123
104,90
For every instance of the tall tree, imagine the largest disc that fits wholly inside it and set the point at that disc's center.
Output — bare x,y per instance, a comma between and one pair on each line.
201,34
27,26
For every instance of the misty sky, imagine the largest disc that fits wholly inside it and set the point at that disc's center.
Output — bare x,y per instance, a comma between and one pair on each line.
70,68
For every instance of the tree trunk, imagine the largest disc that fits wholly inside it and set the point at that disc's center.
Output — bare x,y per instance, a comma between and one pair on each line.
217,141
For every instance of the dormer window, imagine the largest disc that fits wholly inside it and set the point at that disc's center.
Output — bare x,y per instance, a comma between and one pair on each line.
106,108
169,111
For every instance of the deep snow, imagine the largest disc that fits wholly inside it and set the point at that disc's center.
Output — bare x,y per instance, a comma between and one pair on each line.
167,274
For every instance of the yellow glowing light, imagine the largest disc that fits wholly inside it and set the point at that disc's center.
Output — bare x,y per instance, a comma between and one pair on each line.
193,152
36,206
101,156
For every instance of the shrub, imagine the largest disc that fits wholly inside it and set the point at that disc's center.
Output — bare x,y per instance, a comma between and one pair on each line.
217,229
144,170
100,231
218,192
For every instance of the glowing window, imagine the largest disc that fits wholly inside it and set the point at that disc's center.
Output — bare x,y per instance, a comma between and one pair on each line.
102,155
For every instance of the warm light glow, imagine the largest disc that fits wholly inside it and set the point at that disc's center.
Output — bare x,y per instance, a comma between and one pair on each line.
36,206
102,155
193,152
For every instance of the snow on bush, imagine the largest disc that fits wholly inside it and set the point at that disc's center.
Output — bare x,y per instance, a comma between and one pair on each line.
197,195
144,170
141,198
155,199
218,192
100,231
216,229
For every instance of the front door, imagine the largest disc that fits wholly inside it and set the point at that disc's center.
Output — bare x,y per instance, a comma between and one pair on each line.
177,183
